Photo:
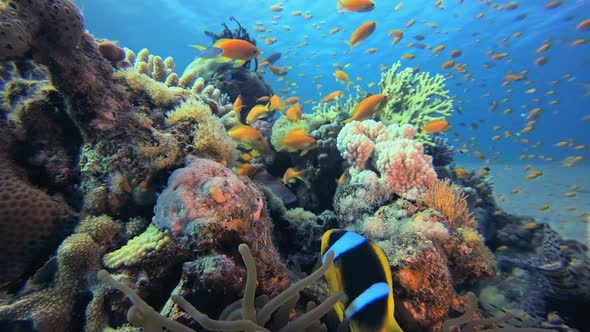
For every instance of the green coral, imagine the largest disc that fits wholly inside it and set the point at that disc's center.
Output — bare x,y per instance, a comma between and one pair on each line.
414,98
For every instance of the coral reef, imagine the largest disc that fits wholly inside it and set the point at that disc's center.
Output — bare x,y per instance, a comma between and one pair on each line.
92,132
429,256
414,98
78,261
254,313
440,151
32,221
26,25
399,160
208,201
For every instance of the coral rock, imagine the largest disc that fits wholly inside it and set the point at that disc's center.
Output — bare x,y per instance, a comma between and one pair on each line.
30,220
187,208
25,25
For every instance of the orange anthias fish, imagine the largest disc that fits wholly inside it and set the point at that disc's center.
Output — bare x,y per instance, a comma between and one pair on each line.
361,33
256,113
366,108
238,108
248,135
332,96
293,113
342,77
246,169
237,49
461,172
297,140
292,175
436,126
276,70
291,100
357,5
275,103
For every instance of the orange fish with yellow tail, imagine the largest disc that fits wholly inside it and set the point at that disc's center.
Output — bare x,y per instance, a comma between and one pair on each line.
276,104
256,113
342,76
368,107
361,33
297,140
237,49
292,175
436,126
357,5
293,113
249,136
332,96
246,169
238,108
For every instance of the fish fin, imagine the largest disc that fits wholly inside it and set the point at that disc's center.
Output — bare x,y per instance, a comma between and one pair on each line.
223,59
220,41
198,47
303,152
210,53
238,63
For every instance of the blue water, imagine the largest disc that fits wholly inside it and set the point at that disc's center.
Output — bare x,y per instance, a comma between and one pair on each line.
166,28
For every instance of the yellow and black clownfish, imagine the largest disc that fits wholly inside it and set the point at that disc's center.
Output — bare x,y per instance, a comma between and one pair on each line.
362,272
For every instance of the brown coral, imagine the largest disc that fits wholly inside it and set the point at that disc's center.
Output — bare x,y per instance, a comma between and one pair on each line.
25,24
31,221
443,197
51,309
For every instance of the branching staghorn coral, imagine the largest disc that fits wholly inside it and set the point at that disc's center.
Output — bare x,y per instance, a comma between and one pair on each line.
252,319
414,98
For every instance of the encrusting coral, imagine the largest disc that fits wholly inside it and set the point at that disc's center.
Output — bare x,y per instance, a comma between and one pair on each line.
125,104
25,24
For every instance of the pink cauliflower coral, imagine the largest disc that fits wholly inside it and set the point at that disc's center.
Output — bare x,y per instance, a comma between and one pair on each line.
405,167
392,150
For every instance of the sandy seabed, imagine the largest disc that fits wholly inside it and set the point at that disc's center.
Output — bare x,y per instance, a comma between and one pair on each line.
569,216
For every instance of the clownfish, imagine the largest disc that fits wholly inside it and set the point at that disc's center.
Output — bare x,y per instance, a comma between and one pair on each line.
362,272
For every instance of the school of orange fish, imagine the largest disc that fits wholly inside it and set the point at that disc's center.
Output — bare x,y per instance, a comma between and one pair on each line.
449,57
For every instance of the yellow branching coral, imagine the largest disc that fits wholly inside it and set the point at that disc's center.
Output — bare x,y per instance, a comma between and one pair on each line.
414,98
140,83
193,110
209,137
444,198
161,153
137,248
